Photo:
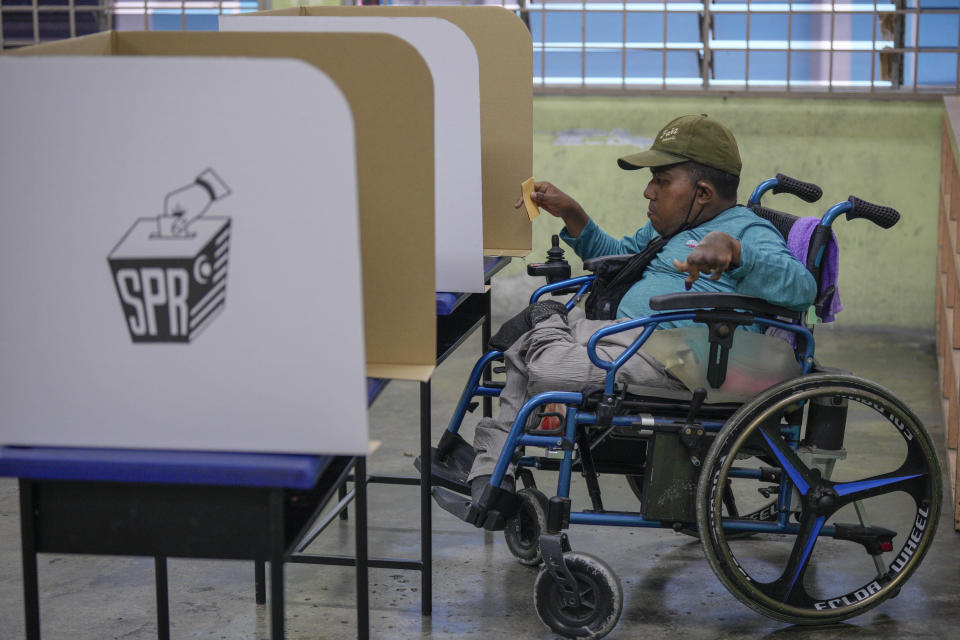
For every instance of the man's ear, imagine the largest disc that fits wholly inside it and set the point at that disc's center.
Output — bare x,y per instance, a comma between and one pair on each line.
705,192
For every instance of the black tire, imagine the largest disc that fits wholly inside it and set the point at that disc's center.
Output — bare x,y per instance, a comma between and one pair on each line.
522,533
798,570
601,598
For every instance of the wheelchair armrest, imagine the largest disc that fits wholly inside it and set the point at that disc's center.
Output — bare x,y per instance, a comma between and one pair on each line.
697,300
593,264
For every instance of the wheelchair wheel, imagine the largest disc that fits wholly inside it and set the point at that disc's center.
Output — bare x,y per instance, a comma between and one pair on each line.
601,598
522,533
854,521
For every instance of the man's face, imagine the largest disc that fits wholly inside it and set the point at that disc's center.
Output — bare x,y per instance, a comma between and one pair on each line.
671,193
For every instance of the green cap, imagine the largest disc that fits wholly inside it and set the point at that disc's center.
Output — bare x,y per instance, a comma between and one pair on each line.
696,138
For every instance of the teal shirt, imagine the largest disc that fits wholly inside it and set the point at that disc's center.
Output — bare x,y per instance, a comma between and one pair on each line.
767,268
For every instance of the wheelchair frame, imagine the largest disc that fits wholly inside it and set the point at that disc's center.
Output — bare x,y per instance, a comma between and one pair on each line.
559,590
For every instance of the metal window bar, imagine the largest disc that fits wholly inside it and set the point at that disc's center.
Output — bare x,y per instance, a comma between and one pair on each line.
663,50
583,43
706,60
623,43
833,25
746,55
790,43
543,56
873,57
916,44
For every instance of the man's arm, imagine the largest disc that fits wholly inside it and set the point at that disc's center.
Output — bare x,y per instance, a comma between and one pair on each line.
586,238
759,262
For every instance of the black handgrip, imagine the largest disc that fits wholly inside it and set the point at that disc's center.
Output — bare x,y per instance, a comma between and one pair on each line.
806,191
884,217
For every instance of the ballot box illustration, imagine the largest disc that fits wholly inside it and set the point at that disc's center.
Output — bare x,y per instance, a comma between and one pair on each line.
170,270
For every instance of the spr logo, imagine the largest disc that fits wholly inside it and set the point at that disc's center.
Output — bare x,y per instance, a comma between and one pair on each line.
170,270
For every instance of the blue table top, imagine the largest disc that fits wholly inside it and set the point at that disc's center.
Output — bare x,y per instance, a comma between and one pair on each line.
164,467
287,471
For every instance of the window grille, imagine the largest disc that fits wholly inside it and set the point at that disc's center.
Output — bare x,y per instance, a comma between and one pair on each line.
891,48
27,22
178,15
880,47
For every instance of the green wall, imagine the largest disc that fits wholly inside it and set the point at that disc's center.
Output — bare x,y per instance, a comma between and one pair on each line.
884,152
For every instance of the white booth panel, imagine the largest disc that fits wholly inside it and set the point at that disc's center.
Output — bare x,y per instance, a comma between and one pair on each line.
178,271
452,60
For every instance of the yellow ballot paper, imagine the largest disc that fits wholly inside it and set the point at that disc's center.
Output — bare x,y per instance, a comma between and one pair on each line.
526,189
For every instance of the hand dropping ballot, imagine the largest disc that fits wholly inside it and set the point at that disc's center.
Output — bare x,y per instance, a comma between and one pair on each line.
171,270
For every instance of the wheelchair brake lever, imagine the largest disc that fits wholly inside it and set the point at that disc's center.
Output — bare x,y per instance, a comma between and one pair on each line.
699,396
691,434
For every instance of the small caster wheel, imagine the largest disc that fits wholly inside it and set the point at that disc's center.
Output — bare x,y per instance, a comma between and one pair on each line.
601,598
522,533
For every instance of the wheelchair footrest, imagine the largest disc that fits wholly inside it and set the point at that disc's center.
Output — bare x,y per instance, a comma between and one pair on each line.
451,502
491,519
450,470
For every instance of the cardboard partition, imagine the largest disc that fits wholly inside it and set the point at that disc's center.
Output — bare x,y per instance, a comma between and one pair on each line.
505,55
390,92
159,257
452,60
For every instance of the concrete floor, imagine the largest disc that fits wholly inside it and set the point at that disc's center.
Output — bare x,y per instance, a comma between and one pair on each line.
479,590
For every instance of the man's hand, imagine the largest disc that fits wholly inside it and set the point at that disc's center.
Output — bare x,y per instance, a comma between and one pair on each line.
558,204
716,253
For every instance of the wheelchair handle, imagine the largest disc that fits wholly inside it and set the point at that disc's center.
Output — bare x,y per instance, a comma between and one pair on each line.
806,191
884,217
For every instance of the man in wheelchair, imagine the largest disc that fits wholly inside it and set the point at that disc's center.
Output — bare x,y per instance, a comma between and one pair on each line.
780,467
695,227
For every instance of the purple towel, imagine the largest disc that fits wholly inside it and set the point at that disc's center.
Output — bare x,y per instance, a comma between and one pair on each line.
799,241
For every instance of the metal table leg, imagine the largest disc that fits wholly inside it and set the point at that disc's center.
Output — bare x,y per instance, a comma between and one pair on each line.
276,566
363,567
28,546
260,579
484,341
163,602
426,506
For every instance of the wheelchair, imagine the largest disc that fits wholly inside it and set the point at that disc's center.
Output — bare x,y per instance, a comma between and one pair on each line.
815,493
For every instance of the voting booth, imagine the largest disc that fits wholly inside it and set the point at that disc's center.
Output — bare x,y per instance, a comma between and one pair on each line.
452,61
188,375
394,168
505,59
